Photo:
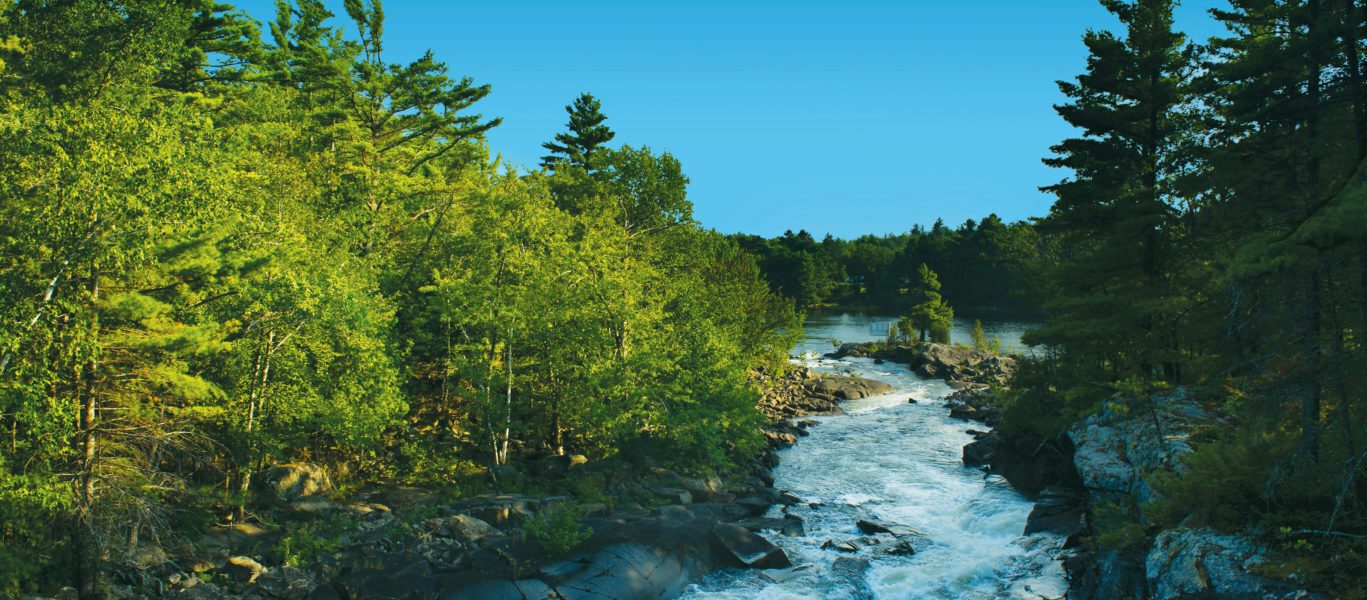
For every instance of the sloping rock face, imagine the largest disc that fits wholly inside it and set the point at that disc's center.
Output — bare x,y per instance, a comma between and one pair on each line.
1118,447
1200,563
1116,453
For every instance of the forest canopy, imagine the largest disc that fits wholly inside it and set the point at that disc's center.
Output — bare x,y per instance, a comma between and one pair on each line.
222,249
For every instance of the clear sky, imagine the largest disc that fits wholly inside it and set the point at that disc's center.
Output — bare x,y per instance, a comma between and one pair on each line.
863,116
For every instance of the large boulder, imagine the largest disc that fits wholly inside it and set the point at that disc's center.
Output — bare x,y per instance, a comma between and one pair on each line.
244,569
1201,563
746,549
298,480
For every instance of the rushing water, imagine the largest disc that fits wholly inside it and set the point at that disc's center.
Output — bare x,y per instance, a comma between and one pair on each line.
897,463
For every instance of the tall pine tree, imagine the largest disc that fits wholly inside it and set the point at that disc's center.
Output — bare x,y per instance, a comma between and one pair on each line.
579,145
1116,213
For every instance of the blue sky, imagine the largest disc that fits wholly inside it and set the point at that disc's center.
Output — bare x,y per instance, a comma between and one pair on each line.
835,117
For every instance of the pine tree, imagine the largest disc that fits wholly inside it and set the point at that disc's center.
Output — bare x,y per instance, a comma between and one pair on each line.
1116,213
930,314
579,146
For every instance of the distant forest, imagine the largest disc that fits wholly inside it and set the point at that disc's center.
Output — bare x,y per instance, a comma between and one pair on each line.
983,266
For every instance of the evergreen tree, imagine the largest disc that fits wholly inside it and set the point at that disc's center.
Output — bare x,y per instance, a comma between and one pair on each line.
1114,300
930,314
579,146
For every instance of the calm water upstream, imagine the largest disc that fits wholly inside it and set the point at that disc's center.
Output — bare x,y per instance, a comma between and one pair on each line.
899,463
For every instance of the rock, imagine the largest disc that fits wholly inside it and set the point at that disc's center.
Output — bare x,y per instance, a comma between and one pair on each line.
755,505
312,505
468,528
627,571
1059,510
1201,563
851,572
981,451
673,495
875,528
202,591
244,569
559,466
850,545
286,583
298,480
1116,448
784,575
520,589
748,549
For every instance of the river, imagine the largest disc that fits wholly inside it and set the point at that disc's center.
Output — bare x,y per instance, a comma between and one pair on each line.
899,463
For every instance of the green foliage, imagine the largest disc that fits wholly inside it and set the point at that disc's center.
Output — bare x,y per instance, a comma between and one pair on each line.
220,253
986,265
1115,527
557,529
930,314
311,540
579,147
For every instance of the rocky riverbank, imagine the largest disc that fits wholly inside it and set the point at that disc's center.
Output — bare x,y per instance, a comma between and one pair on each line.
629,531
1108,460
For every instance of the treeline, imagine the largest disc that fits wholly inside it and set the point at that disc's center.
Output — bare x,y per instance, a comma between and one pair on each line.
1213,235
219,252
984,266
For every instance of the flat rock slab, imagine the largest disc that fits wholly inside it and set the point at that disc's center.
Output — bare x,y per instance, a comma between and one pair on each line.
747,549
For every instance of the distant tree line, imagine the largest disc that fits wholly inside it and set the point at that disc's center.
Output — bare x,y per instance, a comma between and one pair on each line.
983,266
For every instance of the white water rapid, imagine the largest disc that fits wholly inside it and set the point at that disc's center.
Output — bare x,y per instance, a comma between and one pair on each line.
896,463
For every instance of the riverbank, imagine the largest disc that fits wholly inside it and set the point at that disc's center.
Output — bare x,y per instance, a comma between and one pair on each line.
1104,463
622,531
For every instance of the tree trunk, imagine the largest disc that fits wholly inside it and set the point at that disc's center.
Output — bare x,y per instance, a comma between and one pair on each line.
84,540
261,370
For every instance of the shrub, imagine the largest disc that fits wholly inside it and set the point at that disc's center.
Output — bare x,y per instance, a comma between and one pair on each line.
558,529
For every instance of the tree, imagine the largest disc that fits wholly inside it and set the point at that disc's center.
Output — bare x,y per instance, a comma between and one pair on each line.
1115,214
930,314
586,133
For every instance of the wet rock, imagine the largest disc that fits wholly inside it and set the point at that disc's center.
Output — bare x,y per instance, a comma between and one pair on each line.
748,549
980,451
870,527
784,575
1059,510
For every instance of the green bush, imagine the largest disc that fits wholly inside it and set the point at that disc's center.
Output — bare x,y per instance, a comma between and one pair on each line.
313,539
558,529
